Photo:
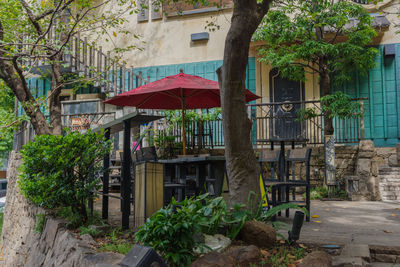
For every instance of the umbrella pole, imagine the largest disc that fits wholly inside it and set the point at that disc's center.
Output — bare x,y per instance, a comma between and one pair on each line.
183,131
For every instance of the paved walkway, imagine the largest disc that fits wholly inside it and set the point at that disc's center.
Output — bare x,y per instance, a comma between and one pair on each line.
344,222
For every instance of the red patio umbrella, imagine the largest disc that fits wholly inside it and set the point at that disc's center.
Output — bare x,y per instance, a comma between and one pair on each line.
181,91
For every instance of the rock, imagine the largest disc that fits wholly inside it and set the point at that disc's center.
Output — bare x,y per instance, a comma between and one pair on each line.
87,238
316,259
213,259
216,242
55,246
367,145
199,237
363,167
341,261
392,161
356,250
50,230
366,154
109,258
258,233
245,256
386,258
398,153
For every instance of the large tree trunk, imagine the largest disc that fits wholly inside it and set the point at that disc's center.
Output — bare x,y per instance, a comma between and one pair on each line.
325,85
55,104
243,170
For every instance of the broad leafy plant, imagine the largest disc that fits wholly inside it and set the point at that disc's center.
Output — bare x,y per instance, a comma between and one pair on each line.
337,105
62,171
171,230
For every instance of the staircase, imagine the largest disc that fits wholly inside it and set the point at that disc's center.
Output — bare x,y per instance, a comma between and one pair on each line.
87,60
389,183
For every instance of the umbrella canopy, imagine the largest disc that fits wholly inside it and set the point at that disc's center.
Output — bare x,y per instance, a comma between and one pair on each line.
181,91
175,92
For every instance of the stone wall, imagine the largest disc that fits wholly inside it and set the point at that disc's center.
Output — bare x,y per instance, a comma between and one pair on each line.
55,246
346,158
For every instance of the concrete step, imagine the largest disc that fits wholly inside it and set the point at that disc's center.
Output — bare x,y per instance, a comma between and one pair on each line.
390,176
389,188
389,181
340,261
357,251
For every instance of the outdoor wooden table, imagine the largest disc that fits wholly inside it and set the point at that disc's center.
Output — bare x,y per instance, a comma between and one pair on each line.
214,165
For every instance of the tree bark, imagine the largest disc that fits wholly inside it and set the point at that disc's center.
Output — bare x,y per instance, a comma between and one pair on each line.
12,78
325,85
55,104
241,163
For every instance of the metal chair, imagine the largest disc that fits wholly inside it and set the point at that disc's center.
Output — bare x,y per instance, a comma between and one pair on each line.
274,181
296,179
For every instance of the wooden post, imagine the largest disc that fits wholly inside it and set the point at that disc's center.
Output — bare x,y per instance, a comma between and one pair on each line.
126,175
106,177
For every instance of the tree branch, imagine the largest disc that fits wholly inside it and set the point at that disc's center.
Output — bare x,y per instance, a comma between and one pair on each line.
32,17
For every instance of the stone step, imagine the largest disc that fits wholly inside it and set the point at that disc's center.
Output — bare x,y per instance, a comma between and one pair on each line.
390,197
389,172
389,183
390,175
356,250
389,187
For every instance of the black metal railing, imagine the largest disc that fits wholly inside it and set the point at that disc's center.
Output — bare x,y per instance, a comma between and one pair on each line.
270,122
363,2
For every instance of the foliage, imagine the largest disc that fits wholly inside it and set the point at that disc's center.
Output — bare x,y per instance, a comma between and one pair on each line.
1,221
41,30
90,230
115,242
285,255
40,222
170,230
323,192
74,221
175,116
6,120
337,105
296,38
62,171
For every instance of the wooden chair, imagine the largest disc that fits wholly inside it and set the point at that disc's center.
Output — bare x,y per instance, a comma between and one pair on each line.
295,179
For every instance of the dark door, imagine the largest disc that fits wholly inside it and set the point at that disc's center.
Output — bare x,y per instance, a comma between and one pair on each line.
285,91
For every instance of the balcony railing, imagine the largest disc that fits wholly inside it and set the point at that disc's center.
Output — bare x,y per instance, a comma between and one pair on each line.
271,122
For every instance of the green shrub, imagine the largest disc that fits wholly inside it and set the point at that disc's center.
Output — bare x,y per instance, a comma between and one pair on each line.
170,231
322,192
116,242
62,171
1,221
40,221
94,232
